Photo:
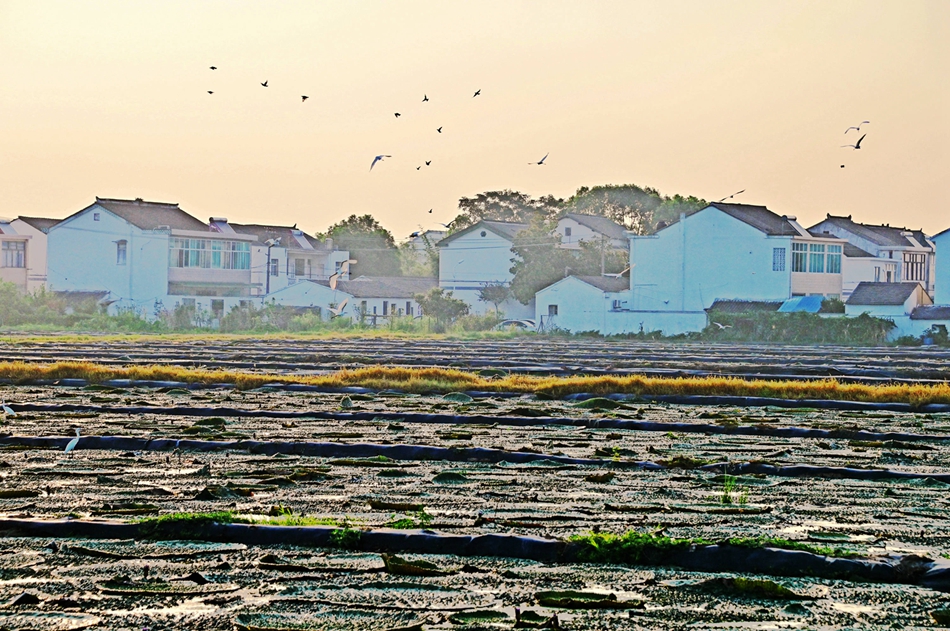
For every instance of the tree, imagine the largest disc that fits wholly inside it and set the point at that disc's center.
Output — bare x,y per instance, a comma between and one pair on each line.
541,261
415,262
369,243
440,304
506,205
495,293
637,209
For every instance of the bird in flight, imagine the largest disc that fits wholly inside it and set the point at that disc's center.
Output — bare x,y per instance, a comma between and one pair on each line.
418,167
339,310
303,98
428,162
842,166
477,92
378,158
214,67
439,130
723,326
733,195
265,83
858,127
210,92
430,211
398,114
857,145
541,161
425,98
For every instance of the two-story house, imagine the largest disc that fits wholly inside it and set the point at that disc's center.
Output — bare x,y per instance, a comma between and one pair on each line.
477,256
727,252
594,229
37,228
910,250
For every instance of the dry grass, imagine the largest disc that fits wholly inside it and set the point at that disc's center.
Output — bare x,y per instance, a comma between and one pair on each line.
422,380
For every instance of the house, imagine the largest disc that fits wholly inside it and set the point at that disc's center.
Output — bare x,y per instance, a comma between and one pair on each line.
15,253
284,255
37,228
149,256
477,256
726,252
928,319
911,250
941,243
893,301
584,303
575,228
370,300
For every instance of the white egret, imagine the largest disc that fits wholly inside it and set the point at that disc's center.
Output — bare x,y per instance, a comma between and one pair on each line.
7,410
72,444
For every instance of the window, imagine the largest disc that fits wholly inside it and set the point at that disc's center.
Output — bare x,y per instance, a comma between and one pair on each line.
385,307
95,216
408,308
816,258
877,274
799,256
567,232
552,310
14,254
217,308
274,267
120,250
778,259
616,305
363,307
834,259
209,254
888,276
300,267
483,233
914,265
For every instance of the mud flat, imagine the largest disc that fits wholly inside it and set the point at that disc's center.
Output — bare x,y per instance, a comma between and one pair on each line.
275,509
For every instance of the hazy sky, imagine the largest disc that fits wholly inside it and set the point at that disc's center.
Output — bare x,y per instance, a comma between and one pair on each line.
109,98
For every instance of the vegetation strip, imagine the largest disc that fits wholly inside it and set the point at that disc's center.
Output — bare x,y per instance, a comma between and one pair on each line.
383,453
515,421
425,380
643,549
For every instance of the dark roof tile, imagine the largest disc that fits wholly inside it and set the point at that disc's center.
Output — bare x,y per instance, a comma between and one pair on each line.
606,283
40,223
384,286
152,215
600,225
881,294
931,312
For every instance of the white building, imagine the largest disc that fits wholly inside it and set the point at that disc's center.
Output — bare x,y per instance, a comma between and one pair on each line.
941,243
15,254
575,228
894,301
911,250
370,300
859,266
478,256
726,252
585,303
37,228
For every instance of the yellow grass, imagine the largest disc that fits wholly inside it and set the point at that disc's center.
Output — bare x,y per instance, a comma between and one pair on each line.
447,380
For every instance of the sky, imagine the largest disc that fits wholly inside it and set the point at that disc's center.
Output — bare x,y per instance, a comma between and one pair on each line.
110,98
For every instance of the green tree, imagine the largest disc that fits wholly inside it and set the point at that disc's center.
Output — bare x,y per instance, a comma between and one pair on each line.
440,304
636,208
369,243
506,205
495,293
414,262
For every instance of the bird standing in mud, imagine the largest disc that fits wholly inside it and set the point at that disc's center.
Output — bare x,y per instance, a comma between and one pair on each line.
7,410
72,444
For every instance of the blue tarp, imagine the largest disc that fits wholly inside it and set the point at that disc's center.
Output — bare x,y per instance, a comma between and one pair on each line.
808,304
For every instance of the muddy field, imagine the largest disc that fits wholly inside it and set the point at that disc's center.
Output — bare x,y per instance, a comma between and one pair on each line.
531,354
544,479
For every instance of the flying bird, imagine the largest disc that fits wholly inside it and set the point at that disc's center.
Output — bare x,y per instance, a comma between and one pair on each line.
428,162
439,130
265,83
418,167
430,211
210,92
339,310
333,280
477,92
425,98
731,196
618,274
378,159
72,444
303,98
413,235
723,326
541,161
858,127
214,67
842,166
856,145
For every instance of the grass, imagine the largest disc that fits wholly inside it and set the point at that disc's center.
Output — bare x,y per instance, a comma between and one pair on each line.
648,548
194,525
428,380
732,493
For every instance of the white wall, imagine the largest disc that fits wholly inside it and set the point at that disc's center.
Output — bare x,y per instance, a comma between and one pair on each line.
855,270
35,255
580,232
581,307
308,294
704,257
942,269
82,257
467,263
